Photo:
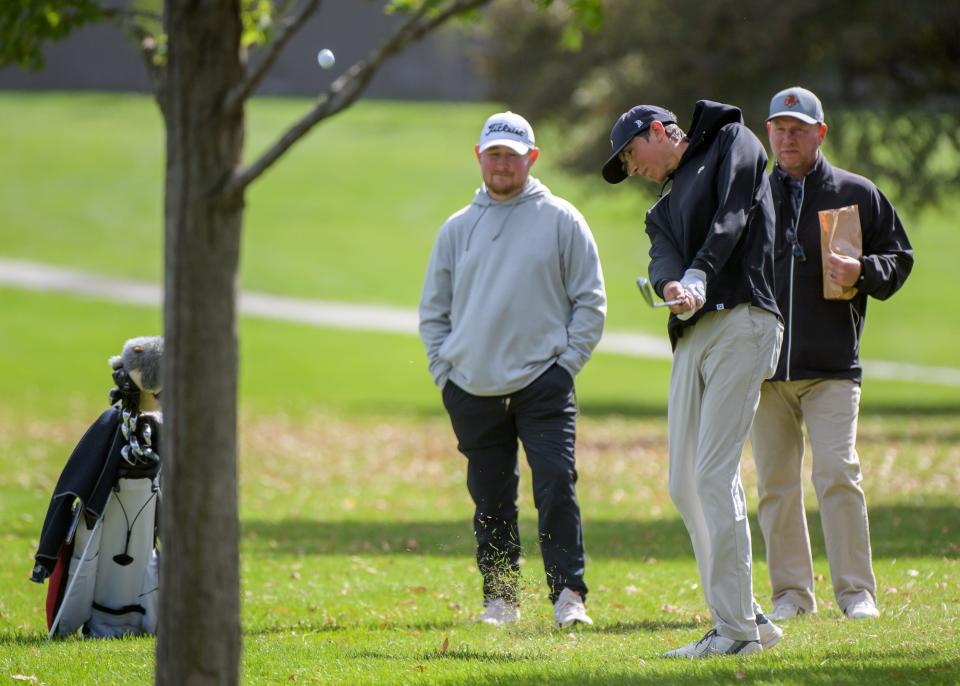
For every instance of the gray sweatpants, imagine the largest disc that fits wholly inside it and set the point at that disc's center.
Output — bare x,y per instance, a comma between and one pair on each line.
718,367
830,408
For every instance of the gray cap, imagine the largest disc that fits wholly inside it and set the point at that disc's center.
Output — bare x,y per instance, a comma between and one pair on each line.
798,103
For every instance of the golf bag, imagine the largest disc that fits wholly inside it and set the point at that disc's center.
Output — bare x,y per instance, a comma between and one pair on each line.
99,540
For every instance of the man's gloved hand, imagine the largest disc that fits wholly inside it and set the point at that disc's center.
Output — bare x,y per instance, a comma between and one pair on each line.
695,283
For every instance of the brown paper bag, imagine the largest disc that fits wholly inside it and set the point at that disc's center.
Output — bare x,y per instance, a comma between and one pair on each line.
840,234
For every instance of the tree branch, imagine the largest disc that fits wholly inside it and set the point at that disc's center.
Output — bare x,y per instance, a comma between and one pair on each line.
144,41
351,84
288,27
131,14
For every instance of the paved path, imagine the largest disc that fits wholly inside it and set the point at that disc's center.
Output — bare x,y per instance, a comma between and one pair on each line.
380,318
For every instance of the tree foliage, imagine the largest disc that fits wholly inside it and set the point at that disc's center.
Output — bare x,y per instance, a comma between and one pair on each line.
887,73
25,25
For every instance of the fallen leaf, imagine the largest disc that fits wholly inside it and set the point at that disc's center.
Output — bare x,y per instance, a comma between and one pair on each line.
741,675
444,646
24,677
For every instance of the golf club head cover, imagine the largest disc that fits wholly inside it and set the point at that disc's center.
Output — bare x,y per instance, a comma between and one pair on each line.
138,368
126,391
695,282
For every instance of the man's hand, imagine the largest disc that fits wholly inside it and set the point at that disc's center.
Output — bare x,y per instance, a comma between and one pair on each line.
675,291
692,289
843,270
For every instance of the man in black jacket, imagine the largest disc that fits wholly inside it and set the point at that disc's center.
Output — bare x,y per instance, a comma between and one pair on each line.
817,381
711,249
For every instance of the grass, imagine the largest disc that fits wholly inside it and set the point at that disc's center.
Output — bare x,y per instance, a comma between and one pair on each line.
53,352
357,553
82,186
357,564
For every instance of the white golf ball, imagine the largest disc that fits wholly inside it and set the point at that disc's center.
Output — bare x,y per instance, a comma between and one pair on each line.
325,58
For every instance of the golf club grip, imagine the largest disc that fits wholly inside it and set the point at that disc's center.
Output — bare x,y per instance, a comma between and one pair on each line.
669,303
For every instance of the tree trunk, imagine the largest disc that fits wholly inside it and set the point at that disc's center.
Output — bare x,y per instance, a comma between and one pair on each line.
198,638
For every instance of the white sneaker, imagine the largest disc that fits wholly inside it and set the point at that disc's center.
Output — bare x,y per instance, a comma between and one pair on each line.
498,612
569,610
712,644
864,609
786,610
770,633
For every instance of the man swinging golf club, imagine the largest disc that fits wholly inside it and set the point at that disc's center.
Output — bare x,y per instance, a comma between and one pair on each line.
711,249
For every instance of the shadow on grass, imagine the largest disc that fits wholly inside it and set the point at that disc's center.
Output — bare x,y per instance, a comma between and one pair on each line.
925,667
647,409
663,671
896,531
38,639
647,626
326,626
948,410
464,655
35,639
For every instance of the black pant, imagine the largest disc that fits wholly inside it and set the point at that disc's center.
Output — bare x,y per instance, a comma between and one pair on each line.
543,417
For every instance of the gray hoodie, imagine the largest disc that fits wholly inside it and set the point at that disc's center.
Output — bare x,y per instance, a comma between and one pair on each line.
512,287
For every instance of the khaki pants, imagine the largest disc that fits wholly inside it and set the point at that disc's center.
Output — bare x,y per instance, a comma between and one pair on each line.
829,407
718,367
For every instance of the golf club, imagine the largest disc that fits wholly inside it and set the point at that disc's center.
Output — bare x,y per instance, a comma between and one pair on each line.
55,624
646,290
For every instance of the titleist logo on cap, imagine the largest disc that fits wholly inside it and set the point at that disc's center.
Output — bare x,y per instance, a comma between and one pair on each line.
502,127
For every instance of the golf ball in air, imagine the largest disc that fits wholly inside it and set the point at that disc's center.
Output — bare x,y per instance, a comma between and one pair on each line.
325,58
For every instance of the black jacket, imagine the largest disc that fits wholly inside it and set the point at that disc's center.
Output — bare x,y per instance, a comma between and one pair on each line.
717,217
89,476
822,337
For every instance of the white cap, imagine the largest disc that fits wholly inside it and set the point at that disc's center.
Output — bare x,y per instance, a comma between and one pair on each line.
509,129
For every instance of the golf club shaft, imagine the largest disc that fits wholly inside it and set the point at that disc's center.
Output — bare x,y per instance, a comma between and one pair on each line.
74,576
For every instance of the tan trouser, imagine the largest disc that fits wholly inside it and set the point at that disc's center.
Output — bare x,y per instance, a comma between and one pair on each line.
718,366
829,407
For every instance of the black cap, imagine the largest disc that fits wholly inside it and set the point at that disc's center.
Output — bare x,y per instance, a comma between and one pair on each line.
634,121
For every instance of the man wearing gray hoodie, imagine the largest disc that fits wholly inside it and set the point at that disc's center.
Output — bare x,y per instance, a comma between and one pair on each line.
513,304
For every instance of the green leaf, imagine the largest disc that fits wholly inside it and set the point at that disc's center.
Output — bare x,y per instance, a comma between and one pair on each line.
27,25
257,18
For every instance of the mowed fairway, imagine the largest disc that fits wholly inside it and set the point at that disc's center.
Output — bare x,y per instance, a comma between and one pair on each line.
357,551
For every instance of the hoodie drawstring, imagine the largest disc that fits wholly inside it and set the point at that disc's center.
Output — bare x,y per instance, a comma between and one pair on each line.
470,232
504,222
